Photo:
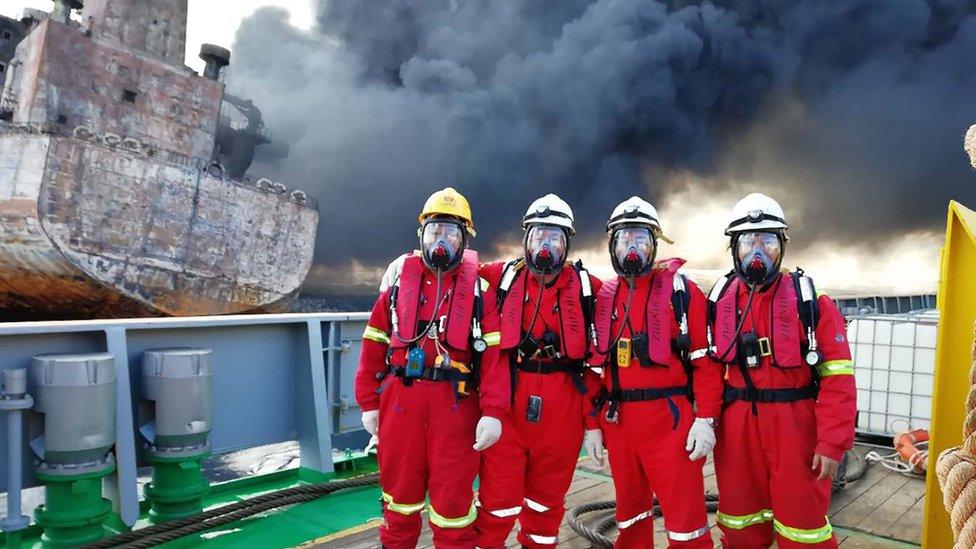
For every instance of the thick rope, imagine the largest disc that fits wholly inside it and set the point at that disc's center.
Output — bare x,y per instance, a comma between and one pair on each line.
170,531
956,470
970,144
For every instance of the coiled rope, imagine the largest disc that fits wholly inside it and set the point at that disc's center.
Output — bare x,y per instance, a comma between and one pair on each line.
170,531
956,470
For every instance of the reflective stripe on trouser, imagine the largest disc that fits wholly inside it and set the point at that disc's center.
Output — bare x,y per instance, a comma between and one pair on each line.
402,508
743,521
410,418
648,458
542,540
448,522
688,536
800,535
625,524
502,513
769,493
536,506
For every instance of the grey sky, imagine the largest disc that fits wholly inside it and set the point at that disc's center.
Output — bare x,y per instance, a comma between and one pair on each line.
212,21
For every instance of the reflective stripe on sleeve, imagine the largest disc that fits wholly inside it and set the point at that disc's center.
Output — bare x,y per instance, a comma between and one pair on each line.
836,368
377,335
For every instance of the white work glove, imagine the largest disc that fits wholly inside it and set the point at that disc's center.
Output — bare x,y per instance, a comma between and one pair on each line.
593,444
488,432
371,422
701,439
373,443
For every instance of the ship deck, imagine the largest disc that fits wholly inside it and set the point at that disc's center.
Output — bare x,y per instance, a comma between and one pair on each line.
882,509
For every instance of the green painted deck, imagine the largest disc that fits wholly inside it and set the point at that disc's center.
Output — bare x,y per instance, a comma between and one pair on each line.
288,527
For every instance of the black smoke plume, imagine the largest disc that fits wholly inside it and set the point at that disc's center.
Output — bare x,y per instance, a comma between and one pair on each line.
853,109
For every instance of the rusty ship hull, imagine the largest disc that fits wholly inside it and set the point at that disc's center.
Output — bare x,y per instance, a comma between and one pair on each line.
90,230
112,203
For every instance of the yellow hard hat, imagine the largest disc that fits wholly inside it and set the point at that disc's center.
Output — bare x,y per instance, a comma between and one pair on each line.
448,202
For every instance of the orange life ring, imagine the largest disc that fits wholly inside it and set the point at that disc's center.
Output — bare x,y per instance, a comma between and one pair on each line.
905,446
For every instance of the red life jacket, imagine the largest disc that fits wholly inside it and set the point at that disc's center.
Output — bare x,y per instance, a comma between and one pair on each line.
785,337
660,313
572,318
457,332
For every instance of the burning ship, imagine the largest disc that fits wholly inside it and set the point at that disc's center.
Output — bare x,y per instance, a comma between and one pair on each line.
122,186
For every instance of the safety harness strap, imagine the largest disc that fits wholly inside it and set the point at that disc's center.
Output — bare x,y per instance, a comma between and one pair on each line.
650,393
770,395
809,313
435,374
588,301
509,273
574,369
680,303
616,396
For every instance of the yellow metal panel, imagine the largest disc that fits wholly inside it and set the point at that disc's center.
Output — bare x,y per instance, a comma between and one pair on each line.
957,311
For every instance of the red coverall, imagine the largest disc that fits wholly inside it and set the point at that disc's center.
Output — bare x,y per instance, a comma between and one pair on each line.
425,433
762,461
647,454
527,473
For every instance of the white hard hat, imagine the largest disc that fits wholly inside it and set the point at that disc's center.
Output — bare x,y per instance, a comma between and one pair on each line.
549,210
756,212
637,211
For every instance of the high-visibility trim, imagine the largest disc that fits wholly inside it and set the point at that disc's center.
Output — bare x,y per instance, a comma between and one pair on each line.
502,513
535,506
402,508
543,540
492,338
700,353
836,368
738,522
688,536
799,535
377,335
445,522
624,524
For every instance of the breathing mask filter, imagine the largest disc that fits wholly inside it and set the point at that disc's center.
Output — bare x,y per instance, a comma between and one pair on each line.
546,247
632,250
757,256
442,242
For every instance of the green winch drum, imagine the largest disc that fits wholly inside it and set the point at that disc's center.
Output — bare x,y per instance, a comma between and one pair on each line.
178,384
